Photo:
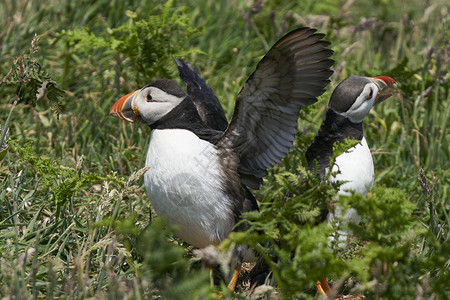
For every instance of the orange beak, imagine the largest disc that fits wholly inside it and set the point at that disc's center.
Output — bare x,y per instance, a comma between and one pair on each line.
125,109
383,83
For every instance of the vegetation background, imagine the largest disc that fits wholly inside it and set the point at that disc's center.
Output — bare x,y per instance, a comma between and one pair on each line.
73,212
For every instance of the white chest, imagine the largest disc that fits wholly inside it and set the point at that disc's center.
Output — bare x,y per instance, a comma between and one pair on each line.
356,167
184,185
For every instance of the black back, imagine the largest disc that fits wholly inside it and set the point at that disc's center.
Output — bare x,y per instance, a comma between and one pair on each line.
334,128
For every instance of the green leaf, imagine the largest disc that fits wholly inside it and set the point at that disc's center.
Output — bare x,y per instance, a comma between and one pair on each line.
3,153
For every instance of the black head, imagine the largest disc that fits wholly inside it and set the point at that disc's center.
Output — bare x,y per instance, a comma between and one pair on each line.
355,96
168,86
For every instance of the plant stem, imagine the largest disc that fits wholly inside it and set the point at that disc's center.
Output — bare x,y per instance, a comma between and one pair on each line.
8,121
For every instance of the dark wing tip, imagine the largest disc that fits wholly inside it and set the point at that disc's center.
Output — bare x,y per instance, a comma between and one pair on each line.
207,104
177,62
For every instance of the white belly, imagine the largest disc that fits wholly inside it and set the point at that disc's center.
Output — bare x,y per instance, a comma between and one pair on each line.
184,185
356,168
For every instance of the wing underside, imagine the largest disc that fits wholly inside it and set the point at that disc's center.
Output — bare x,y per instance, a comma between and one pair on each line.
264,123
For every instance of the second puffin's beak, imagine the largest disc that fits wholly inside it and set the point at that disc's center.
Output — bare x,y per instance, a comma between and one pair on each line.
125,109
383,83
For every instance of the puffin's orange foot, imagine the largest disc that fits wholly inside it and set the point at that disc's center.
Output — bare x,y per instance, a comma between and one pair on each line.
323,288
234,278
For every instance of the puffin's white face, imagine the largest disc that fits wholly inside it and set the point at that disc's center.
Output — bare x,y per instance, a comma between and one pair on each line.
153,103
150,103
363,103
355,96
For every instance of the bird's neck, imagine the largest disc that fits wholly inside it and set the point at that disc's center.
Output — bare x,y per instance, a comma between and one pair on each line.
182,115
334,128
185,116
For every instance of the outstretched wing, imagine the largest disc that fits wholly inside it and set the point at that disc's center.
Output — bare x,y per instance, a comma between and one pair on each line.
290,76
208,106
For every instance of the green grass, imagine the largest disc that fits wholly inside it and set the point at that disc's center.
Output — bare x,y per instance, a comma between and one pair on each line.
74,222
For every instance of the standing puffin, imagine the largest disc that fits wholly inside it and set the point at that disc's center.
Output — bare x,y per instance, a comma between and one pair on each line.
198,174
349,104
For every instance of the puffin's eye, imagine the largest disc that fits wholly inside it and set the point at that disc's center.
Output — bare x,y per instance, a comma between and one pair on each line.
370,93
149,97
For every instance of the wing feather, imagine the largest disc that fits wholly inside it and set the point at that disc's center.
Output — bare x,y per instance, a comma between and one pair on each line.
207,104
290,76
